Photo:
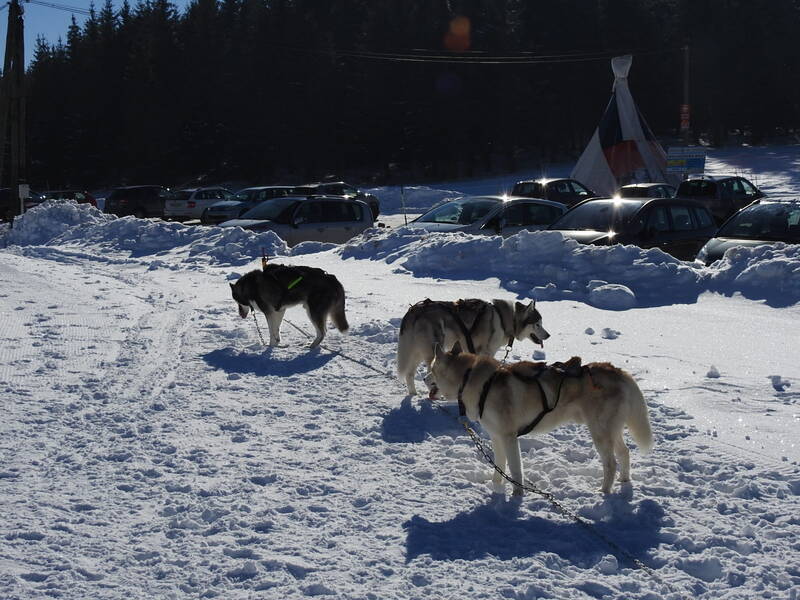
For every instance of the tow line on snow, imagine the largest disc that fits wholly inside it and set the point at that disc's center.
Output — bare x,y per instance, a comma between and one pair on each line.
561,508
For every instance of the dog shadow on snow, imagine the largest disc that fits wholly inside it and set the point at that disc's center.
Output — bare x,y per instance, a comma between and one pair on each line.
499,529
414,424
266,362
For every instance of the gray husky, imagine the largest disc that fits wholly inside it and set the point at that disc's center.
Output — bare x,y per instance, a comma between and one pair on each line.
513,400
277,287
481,327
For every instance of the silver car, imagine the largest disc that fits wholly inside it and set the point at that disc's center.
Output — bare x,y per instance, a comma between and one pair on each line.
490,215
190,203
308,219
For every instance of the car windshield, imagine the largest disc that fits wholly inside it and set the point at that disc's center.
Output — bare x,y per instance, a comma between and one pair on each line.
530,188
462,211
269,210
598,215
181,195
770,221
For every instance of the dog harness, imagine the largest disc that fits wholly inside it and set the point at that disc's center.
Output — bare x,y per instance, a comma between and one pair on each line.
462,409
499,312
546,408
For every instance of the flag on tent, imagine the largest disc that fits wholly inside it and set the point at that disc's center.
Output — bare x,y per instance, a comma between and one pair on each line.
623,149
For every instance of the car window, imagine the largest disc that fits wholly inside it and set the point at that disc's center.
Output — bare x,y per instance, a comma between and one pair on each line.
339,212
658,219
310,212
726,189
599,215
271,210
579,189
738,188
681,218
701,188
524,214
703,217
666,191
772,222
529,188
463,211
749,188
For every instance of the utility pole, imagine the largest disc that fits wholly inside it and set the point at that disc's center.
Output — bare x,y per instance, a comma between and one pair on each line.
686,130
13,152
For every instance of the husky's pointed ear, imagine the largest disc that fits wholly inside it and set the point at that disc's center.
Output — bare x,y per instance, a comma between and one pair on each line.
230,284
519,307
437,350
456,349
532,305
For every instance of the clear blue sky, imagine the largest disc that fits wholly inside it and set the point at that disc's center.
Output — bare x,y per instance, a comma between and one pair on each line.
52,23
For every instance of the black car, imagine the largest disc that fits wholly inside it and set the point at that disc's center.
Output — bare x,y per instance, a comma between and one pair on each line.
138,200
340,188
722,195
679,227
566,191
763,222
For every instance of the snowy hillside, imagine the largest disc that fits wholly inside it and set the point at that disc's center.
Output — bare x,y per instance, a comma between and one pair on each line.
152,448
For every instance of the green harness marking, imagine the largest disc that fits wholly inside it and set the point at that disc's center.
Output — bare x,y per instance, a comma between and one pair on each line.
294,283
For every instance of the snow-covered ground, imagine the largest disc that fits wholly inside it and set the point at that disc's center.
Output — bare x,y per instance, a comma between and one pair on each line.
152,448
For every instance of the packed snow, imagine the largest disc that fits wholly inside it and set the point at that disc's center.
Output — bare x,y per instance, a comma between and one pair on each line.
152,448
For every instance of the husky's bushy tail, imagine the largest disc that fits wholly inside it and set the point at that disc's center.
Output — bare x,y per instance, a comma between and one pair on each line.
638,421
337,314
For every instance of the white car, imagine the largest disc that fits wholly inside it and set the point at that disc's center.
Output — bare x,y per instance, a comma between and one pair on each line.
490,215
190,203
307,219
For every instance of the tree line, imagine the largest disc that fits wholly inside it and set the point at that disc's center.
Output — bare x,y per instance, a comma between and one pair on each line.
289,90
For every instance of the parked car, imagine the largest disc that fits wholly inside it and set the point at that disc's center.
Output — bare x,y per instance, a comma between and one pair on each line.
763,222
242,201
138,200
565,191
490,215
722,195
340,188
308,219
190,203
679,227
79,196
646,190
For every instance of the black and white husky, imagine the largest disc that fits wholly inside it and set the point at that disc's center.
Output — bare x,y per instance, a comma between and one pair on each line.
276,287
481,327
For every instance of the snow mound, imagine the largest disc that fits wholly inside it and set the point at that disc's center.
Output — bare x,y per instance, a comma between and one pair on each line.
547,266
71,224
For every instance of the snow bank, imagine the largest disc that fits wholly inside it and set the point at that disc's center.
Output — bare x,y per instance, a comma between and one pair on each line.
68,224
546,265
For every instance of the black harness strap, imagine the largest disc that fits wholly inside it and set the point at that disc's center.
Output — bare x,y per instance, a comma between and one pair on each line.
499,312
485,392
461,326
462,409
546,408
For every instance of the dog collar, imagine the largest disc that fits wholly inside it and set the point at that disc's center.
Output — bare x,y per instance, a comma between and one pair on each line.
462,409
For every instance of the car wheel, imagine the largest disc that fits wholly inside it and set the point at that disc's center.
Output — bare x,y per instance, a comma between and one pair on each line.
204,217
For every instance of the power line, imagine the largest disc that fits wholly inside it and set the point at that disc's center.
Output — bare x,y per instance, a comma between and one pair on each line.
478,58
64,7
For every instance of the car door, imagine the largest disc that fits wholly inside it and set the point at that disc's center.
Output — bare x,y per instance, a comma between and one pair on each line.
308,224
656,232
529,216
684,234
343,220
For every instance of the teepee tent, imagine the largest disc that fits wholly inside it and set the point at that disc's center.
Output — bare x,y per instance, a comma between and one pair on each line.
622,149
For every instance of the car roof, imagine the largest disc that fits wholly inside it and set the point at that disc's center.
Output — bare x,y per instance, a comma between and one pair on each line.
134,187
269,187
712,178
546,180
643,185
643,201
